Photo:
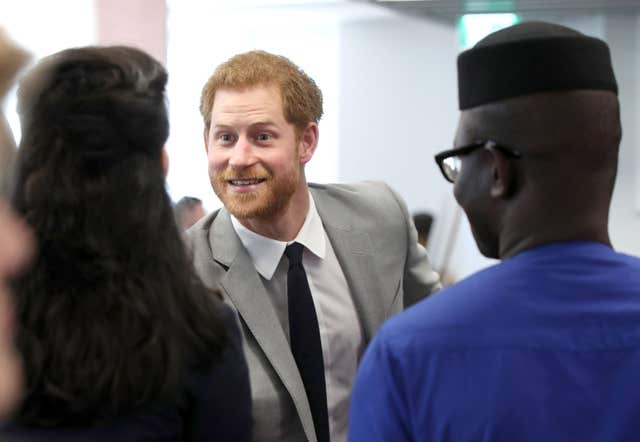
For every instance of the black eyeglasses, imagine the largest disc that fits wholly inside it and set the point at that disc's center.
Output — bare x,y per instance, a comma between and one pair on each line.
449,160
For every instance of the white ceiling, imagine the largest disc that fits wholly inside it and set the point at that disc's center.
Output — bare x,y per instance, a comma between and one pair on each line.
452,9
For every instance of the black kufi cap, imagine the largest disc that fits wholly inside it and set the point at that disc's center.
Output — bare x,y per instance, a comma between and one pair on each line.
532,57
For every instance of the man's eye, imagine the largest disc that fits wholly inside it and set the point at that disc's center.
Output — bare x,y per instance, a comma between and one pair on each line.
225,138
264,137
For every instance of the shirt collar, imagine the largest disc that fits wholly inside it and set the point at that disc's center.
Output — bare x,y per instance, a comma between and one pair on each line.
266,252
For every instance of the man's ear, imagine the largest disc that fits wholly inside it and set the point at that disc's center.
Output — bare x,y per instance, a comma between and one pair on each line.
205,136
308,141
504,175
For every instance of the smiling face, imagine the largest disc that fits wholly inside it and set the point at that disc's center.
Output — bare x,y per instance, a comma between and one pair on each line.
255,156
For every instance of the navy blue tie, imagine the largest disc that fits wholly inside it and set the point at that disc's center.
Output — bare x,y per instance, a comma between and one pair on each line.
304,334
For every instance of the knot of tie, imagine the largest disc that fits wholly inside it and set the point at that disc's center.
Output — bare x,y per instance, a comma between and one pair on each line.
294,254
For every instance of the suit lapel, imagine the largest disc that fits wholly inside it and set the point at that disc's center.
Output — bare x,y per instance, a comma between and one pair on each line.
354,252
243,286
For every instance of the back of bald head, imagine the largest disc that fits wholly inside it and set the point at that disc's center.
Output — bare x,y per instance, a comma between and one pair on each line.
581,127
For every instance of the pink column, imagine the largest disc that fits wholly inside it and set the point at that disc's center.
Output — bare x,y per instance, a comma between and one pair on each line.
139,23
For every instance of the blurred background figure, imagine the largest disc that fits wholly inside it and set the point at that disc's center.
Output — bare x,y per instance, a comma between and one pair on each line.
187,211
120,339
423,221
15,248
12,59
15,239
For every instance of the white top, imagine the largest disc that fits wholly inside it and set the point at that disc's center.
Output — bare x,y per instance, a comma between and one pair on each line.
340,330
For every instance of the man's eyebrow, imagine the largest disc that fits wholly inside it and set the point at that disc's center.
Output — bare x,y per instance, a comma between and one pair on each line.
263,123
254,124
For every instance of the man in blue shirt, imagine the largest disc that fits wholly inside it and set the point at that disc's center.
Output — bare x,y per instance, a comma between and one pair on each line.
544,346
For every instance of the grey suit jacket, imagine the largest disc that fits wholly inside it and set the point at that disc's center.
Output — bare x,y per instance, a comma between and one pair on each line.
376,245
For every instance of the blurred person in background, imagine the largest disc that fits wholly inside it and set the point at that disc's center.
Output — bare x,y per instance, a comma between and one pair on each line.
423,222
15,239
188,210
121,341
16,245
12,59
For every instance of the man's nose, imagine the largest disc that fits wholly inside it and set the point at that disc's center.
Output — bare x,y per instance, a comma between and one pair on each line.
242,154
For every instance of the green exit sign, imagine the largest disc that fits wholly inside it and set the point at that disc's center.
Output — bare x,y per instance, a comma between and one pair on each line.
474,27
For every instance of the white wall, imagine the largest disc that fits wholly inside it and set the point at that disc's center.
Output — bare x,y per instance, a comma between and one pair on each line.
397,103
398,108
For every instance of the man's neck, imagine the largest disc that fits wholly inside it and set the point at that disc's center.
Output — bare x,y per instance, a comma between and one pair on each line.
528,234
283,226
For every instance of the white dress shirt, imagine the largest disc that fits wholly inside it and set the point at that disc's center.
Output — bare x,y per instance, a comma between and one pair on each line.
340,329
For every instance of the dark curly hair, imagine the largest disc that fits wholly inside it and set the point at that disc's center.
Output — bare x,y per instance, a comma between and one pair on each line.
111,315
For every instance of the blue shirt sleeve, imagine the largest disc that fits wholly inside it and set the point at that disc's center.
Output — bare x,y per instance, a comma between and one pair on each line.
379,409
